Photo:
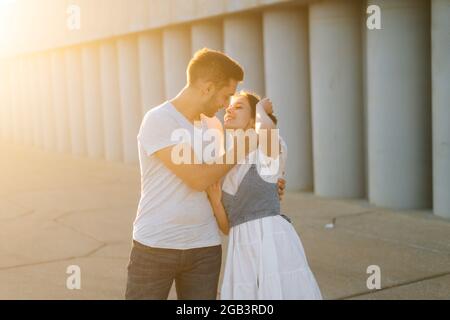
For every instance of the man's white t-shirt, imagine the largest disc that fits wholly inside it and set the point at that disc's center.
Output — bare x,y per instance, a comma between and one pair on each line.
170,213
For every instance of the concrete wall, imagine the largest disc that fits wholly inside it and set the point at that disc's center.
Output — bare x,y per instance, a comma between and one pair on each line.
30,25
359,109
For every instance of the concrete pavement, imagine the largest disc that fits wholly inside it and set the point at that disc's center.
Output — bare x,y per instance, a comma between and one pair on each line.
58,210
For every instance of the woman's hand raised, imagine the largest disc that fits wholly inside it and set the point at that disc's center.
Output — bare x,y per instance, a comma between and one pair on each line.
266,105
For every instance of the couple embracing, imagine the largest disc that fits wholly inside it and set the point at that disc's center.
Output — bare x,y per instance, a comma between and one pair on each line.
184,206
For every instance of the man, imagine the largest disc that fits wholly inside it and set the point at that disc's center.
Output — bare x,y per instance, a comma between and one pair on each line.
175,235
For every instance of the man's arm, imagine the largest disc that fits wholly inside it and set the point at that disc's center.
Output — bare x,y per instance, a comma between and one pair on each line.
201,176
196,176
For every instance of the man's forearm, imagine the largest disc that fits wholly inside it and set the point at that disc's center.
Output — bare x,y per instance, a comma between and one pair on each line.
200,176
207,174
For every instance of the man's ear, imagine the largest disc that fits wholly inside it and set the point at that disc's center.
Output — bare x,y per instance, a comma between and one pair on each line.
209,87
202,86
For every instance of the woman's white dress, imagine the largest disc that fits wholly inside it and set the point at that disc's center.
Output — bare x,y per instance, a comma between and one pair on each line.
265,257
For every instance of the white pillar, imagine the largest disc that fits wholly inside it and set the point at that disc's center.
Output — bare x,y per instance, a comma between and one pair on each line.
38,128
25,98
441,106
243,41
177,53
151,70
4,97
5,101
59,91
131,113
207,34
109,80
92,101
15,101
287,84
399,106
75,101
48,115
19,126
31,102
336,98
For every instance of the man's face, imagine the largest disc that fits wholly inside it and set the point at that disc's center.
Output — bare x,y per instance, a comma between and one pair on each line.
220,98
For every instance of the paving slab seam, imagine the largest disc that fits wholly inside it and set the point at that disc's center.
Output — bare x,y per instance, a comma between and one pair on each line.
68,189
67,226
396,242
14,203
89,254
69,212
351,215
20,216
395,286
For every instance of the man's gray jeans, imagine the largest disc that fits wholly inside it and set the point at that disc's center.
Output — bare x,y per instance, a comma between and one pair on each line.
151,272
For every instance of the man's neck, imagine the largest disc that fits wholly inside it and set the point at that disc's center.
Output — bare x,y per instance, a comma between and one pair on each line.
186,105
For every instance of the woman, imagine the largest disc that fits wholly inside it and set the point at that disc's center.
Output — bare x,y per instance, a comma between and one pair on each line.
265,258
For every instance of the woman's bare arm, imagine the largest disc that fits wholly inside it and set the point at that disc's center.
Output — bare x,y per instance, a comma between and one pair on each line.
264,125
214,192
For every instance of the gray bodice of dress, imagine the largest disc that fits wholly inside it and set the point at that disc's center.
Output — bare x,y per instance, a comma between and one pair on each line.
254,199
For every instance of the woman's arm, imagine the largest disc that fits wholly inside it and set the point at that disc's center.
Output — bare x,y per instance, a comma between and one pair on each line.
214,192
221,217
264,124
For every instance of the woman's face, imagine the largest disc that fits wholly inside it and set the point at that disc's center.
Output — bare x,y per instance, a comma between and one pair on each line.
238,115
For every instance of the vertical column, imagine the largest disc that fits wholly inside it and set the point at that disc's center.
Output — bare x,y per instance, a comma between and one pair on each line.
109,80
243,41
38,128
399,106
25,110
32,102
59,91
5,101
129,96
15,107
48,115
336,98
364,32
151,70
19,112
207,34
75,101
177,53
92,101
440,33
287,84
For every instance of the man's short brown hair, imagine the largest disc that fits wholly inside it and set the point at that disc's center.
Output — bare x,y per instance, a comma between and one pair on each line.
215,66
